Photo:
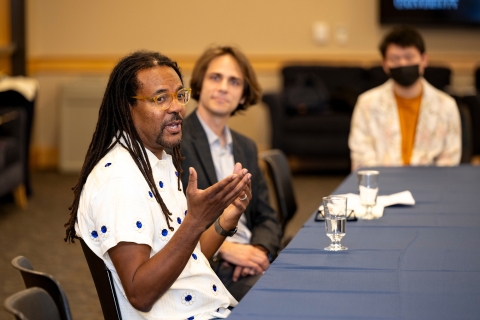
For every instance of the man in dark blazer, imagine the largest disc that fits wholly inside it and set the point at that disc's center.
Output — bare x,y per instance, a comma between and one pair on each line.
223,82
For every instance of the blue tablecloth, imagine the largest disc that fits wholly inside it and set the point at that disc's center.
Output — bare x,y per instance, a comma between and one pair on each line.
415,262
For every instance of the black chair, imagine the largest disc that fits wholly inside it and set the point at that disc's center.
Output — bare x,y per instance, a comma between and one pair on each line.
279,173
467,130
32,304
45,281
13,157
12,98
473,103
477,80
102,277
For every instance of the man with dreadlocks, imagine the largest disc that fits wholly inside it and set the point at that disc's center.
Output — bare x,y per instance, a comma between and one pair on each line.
129,206
223,82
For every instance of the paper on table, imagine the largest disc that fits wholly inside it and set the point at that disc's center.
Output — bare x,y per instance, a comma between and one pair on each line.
353,202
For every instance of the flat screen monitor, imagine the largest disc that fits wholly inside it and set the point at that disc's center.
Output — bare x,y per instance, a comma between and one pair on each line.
435,13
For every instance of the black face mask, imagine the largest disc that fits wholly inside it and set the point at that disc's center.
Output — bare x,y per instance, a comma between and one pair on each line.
405,76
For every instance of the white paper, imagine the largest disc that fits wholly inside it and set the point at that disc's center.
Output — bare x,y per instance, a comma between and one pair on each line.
353,202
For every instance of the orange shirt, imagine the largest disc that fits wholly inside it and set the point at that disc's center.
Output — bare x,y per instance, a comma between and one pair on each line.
408,110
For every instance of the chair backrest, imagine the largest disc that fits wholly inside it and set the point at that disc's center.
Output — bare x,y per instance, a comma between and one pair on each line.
102,277
33,278
473,103
279,173
32,304
477,79
467,131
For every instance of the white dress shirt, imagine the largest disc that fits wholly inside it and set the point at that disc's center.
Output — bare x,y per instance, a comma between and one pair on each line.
224,163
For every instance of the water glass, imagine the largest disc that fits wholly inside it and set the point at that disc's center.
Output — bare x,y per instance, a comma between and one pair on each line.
368,191
335,211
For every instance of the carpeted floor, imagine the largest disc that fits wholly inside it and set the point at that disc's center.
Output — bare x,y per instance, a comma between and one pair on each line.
37,233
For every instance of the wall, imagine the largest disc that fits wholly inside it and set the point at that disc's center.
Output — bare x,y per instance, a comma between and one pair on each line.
70,40
91,27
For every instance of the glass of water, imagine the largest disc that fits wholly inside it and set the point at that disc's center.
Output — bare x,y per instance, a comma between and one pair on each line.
368,191
335,211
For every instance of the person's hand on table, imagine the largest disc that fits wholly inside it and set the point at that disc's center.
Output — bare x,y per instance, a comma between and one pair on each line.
249,260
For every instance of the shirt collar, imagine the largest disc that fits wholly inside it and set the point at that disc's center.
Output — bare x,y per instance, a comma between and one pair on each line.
212,137
151,157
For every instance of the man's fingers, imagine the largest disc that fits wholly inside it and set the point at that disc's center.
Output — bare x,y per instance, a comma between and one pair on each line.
230,187
248,189
265,264
236,273
192,181
256,269
238,190
260,259
237,168
246,272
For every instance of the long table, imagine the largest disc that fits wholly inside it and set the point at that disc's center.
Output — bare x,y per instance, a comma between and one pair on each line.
416,262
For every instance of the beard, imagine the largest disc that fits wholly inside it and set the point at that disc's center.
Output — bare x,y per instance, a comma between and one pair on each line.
161,137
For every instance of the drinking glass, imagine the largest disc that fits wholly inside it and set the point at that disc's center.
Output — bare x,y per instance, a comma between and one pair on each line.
335,210
368,191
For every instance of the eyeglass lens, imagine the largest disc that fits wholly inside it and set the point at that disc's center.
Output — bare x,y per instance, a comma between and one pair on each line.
183,96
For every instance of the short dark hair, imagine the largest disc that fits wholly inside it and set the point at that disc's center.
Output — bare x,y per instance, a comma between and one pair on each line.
115,123
251,90
403,36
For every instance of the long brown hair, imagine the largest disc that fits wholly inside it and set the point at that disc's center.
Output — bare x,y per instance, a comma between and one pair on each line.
251,91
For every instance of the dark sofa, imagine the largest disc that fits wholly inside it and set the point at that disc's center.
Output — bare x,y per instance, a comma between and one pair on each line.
310,117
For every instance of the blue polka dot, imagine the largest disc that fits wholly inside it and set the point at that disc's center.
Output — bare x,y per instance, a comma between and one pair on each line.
150,194
179,220
188,298
164,232
160,184
94,234
191,318
185,212
103,229
139,225
214,288
176,173
218,309
108,164
194,256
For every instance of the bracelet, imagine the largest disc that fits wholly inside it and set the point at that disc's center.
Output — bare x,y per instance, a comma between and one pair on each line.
221,231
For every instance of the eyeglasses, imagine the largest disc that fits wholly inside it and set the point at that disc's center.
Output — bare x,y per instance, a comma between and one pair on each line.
164,100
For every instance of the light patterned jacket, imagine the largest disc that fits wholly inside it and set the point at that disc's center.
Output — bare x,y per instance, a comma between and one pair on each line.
376,139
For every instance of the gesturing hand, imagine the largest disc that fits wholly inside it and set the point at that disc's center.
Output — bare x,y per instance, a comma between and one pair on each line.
233,212
206,205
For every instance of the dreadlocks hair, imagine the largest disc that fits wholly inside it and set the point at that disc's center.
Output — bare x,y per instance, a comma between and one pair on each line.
115,124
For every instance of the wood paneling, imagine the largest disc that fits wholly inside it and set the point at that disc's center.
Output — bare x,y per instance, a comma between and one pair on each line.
261,63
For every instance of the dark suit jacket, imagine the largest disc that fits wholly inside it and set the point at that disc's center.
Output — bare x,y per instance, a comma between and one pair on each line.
261,218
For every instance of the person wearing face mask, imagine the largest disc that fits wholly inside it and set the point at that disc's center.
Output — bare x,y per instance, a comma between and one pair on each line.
405,121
